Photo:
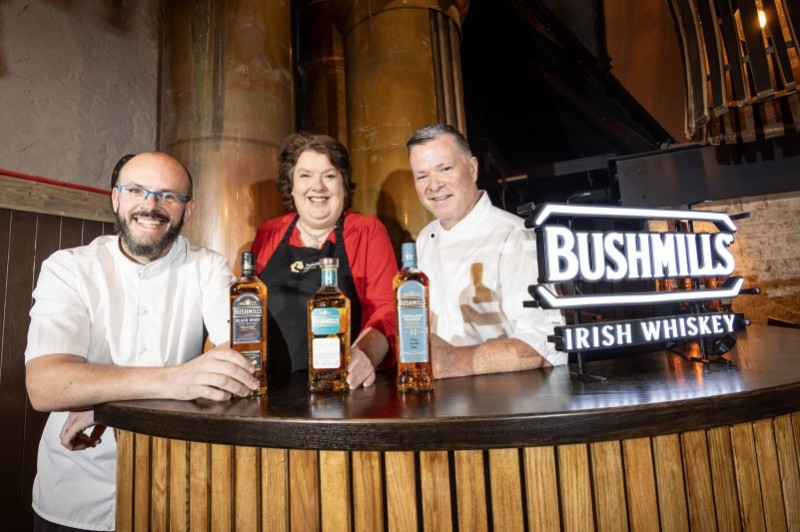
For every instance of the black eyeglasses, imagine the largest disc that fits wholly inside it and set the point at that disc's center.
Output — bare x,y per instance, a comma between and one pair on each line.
166,196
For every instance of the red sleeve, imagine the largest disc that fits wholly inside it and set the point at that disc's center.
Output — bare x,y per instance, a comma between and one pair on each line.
373,264
268,237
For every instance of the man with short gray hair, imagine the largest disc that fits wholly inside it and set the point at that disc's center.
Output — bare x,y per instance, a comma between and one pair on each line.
480,261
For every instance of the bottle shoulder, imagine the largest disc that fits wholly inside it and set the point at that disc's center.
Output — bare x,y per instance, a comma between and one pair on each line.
248,284
411,274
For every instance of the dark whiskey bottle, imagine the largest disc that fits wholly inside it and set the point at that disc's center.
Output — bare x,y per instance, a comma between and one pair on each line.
249,320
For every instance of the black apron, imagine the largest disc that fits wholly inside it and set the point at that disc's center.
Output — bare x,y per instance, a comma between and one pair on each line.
292,276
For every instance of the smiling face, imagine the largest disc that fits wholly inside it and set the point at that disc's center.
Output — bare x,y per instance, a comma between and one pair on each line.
317,190
148,228
445,178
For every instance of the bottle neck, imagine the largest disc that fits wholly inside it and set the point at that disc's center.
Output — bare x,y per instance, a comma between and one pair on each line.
248,264
409,264
329,277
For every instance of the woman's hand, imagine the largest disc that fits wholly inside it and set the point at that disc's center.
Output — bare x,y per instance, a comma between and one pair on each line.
366,354
360,372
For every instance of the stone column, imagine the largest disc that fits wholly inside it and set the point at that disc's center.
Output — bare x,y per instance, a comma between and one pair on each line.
403,71
226,105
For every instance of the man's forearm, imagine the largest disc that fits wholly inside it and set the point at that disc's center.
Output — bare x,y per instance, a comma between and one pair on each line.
509,354
494,356
67,382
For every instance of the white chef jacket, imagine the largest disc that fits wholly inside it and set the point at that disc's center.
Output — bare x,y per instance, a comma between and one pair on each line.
479,273
94,302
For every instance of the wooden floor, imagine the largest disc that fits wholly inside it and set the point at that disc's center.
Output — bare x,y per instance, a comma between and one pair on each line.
740,477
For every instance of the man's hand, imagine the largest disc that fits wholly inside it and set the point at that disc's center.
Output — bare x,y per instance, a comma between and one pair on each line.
360,371
72,433
216,375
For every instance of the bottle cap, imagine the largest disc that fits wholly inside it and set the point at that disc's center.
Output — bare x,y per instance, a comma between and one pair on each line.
408,254
332,262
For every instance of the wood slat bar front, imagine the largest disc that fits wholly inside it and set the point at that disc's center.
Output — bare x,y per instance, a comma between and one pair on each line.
609,486
738,474
470,490
699,487
368,501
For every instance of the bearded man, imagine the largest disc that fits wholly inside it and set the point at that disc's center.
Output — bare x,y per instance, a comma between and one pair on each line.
123,318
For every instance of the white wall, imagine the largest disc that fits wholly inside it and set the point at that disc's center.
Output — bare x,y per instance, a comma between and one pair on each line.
78,86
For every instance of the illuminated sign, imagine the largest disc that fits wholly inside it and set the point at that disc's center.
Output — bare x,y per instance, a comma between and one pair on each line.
615,256
608,334
566,255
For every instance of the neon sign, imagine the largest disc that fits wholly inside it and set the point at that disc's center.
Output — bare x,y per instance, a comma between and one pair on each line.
607,334
567,255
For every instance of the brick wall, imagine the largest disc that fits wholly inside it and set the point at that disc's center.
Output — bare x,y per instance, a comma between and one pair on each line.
767,253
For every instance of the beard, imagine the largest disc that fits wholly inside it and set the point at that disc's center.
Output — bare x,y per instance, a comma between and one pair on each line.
151,250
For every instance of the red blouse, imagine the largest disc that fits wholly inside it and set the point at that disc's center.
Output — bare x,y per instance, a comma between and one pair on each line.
372,263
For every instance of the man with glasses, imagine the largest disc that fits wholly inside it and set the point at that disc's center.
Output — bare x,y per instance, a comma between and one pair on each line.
124,318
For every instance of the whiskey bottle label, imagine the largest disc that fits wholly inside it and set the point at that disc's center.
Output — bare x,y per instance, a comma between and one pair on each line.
412,326
325,321
246,315
325,353
254,357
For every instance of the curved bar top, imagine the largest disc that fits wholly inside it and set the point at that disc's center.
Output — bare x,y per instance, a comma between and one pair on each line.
644,395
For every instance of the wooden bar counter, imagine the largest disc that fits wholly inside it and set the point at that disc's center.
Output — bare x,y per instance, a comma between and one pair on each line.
663,443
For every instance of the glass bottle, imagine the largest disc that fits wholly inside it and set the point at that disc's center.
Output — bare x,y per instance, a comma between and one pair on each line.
414,368
249,320
328,333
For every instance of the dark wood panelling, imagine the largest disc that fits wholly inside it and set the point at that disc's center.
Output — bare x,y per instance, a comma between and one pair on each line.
48,240
91,230
19,285
71,233
26,240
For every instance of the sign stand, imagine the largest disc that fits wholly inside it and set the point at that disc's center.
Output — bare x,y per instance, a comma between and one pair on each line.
697,308
567,256
581,373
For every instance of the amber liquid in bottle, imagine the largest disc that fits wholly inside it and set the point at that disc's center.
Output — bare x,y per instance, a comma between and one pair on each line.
249,320
328,333
414,368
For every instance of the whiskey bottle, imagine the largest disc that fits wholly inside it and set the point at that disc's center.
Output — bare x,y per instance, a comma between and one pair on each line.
328,333
414,369
249,320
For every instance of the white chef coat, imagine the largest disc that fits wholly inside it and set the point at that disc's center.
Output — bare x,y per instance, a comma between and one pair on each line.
479,272
94,302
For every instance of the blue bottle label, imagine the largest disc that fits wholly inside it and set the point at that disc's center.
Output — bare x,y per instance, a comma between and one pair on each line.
412,326
325,321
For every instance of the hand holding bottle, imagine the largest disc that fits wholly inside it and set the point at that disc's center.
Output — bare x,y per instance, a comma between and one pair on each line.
216,375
